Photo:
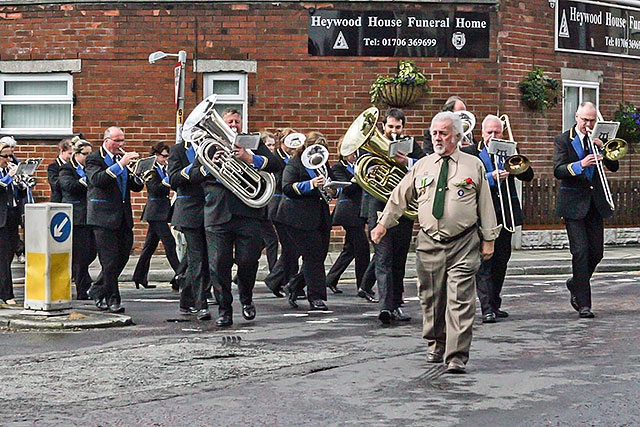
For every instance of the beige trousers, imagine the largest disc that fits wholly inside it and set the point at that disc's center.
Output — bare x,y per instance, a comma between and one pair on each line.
446,288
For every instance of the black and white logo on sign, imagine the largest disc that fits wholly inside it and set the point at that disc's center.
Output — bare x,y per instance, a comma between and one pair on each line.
458,40
341,42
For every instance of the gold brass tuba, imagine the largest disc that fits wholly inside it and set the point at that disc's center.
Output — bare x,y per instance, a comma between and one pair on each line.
205,127
376,172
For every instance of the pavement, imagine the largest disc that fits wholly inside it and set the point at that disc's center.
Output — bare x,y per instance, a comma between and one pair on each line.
530,262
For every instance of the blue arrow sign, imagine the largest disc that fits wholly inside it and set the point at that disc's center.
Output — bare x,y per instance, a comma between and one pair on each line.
60,227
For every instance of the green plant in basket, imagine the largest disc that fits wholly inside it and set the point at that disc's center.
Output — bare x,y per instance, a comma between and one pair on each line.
408,75
540,92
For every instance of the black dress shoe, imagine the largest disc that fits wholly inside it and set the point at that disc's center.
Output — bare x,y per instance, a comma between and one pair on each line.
102,305
203,314
501,314
84,297
291,296
224,321
574,303
399,315
367,295
586,313
187,311
456,366
144,285
334,288
278,292
433,357
489,318
385,317
116,308
249,311
318,305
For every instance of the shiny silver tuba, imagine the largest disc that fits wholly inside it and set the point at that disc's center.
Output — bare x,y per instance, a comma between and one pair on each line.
205,127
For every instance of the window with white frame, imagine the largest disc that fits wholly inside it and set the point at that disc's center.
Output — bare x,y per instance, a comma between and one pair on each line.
231,91
575,93
36,104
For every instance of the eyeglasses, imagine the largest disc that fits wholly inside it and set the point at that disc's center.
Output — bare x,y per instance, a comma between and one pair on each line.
587,120
85,154
116,140
163,155
5,156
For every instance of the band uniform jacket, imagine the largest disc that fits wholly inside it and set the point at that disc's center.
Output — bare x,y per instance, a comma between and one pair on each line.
188,207
53,172
576,190
109,205
74,190
221,204
347,209
4,200
498,204
274,203
302,207
158,205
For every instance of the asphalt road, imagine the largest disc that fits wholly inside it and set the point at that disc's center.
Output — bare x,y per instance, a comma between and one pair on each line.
540,367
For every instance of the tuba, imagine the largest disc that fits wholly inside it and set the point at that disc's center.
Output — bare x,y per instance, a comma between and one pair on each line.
205,127
376,172
315,157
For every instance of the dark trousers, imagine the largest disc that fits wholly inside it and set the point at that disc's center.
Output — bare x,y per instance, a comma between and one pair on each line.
196,282
270,241
114,247
313,247
356,246
586,242
84,252
8,244
286,265
245,236
490,277
390,261
157,231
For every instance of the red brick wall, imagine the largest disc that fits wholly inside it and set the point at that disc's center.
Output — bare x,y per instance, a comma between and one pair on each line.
117,84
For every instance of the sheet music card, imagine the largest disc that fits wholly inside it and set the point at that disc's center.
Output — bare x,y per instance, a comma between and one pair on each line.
605,130
404,145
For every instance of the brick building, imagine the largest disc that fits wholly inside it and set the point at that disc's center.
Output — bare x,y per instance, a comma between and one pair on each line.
74,67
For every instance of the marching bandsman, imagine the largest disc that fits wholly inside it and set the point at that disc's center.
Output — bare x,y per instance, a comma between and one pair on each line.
156,213
73,183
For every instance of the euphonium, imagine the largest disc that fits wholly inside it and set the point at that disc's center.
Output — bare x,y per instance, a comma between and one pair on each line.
315,157
205,127
376,172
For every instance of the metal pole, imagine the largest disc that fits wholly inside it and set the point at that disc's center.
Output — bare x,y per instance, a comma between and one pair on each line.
182,58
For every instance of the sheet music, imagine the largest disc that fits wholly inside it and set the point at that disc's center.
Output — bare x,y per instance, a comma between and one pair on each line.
605,130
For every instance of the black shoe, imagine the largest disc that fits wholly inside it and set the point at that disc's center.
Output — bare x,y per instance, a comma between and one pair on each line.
399,315
574,303
334,288
489,318
224,321
203,314
278,292
102,305
115,308
83,297
317,305
367,295
95,293
501,314
456,366
175,283
249,311
291,296
144,285
187,311
433,357
385,317
586,313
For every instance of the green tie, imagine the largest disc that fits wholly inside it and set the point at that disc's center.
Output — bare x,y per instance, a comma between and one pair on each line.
438,202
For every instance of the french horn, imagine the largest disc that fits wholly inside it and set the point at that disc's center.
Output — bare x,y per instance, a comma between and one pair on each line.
376,172
205,127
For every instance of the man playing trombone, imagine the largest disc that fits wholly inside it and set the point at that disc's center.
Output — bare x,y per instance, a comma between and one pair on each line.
584,200
490,277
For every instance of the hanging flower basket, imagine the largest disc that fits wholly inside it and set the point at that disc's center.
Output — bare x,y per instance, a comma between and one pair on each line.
400,95
540,92
629,117
401,89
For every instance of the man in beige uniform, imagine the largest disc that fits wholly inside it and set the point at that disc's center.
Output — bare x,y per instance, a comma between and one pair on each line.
450,244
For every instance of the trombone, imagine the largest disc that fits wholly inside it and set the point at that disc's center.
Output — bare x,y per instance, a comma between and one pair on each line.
613,149
513,163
